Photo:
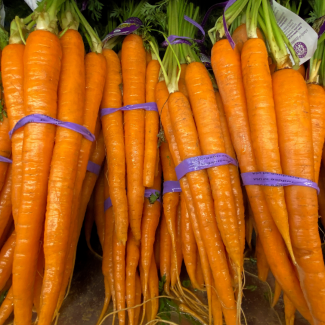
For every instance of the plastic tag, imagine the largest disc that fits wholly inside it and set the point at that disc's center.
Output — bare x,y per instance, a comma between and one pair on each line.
300,34
107,204
148,192
126,28
40,118
152,106
171,187
273,179
93,167
203,162
5,160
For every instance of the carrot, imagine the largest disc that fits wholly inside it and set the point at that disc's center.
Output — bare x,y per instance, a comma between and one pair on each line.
114,142
277,293
39,280
302,70
321,195
99,199
6,259
316,94
5,149
7,306
6,201
297,157
89,222
234,173
181,82
165,253
133,72
249,221
227,69
119,277
162,103
40,96
7,231
107,265
199,274
262,265
63,171
289,310
264,134
189,248
151,125
137,298
132,261
156,246
216,309
150,221
148,57
187,140
176,259
239,36
153,290
206,115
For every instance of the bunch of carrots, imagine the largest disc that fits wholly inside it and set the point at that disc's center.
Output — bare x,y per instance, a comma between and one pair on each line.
122,126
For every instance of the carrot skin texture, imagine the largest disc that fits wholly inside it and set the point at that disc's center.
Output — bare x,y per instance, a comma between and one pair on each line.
153,286
39,280
6,259
137,298
41,78
227,69
264,134
216,309
63,171
262,265
7,307
240,36
206,115
177,259
181,82
321,195
119,277
289,310
277,293
89,222
151,125
199,274
6,201
99,207
132,261
165,254
5,149
234,174
187,139
114,141
316,95
297,157
12,63
134,74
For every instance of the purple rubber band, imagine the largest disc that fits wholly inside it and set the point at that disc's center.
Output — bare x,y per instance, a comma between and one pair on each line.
171,187
40,118
126,28
107,204
5,160
93,167
148,192
194,23
152,106
84,5
321,30
206,16
273,179
203,162
230,40
175,39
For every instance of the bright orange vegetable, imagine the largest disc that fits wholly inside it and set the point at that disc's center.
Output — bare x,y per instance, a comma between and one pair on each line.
165,253
6,201
176,259
240,36
99,199
262,264
6,259
7,307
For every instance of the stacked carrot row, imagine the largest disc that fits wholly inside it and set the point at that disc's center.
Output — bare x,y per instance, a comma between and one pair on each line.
152,150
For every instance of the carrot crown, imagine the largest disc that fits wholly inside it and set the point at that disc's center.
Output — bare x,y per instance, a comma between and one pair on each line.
68,17
251,18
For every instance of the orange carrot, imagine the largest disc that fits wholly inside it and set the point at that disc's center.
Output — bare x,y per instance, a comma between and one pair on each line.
181,82
89,222
5,201
114,142
7,307
277,293
153,290
249,221
39,280
199,274
176,260
63,171
262,265
99,199
165,253
40,96
151,125
12,71
227,69
264,134
148,57
6,259
289,310
156,246
5,149
321,195
216,309
297,157
119,277
132,261
134,74
137,298
240,36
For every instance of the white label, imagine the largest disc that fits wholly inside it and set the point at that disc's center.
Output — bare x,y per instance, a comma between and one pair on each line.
301,36
32,4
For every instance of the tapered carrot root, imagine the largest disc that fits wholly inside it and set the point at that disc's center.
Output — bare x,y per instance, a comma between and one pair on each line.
277,293
133,71
176,260
6,259
165,254
39,280
156,246
199,274
297,158
249,226
5,149
216,309
6,202
7,307
227,69
114,142
99,199
289,310
153,290
88,224
262,265
137,298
